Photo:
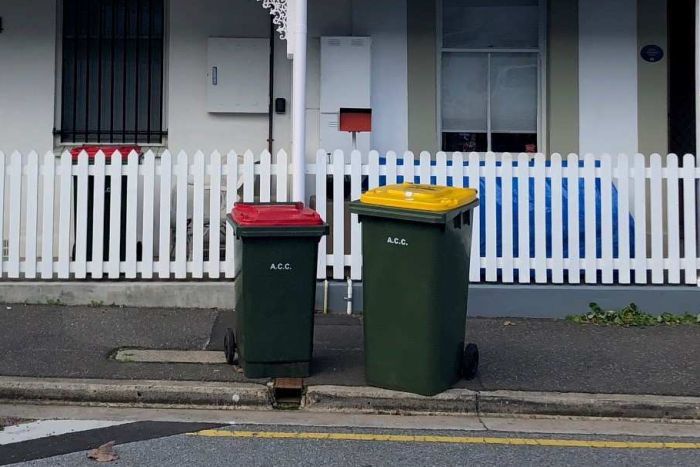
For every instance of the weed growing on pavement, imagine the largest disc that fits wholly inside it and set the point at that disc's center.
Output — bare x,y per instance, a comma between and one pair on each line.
631,315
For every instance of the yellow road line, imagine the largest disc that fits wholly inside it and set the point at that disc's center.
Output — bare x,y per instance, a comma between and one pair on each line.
558,443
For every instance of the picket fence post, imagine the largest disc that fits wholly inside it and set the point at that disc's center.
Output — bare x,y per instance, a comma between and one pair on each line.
321,196
606,225
623,219
98,216
215,186
232,177
557,228
149,179
338,226
47,241
165,234
690,204
31,215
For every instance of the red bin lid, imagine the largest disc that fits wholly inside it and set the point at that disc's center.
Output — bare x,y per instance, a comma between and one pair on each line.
92,150
275,215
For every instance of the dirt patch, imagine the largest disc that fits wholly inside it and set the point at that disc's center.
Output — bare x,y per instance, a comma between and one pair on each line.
10,421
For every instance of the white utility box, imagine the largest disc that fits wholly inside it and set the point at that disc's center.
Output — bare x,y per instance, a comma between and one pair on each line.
238,75
346,64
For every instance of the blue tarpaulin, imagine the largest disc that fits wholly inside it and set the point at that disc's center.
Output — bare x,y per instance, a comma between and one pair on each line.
548,212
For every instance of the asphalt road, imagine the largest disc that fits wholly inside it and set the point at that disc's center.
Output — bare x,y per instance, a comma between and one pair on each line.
224,451
280,439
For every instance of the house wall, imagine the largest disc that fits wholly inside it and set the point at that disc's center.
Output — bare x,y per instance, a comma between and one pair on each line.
27,74
600,96
191,23
562,77
608,118
562,108
608,76
422,75
385,22
590,42
653,78
190,126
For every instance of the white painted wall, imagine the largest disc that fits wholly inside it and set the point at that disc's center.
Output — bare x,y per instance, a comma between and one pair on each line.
385,22
608,76
190,126
27,74
697,111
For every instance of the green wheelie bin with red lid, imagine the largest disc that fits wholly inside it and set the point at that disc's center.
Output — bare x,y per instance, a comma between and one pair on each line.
276,258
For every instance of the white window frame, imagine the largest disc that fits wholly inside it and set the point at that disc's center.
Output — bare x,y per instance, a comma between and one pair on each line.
540,51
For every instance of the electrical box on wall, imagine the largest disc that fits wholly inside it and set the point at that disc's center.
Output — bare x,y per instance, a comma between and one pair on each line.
346,64
238,75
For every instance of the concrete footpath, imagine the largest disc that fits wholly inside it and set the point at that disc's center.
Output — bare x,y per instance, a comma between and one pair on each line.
528,366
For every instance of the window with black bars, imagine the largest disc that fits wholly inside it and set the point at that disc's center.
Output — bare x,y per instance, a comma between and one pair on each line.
112,77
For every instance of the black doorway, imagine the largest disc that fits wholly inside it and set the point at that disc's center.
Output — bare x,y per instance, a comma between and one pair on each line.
681,82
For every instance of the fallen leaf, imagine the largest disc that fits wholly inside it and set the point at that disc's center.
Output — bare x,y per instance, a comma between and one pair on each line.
509,323
104,453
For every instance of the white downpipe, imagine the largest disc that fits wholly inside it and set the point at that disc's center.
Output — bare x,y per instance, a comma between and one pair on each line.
299,101
349,297
697,119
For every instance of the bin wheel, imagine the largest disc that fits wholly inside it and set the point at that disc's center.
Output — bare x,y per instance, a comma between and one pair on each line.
470,361
230,346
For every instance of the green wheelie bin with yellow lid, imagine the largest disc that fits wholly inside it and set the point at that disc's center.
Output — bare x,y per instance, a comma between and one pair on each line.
416,243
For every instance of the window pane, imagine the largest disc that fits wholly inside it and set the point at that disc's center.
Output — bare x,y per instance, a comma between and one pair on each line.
514,142
464,92
514,93
112,79
464,142
490,23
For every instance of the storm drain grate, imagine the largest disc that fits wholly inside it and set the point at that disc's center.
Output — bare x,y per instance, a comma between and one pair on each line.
287,393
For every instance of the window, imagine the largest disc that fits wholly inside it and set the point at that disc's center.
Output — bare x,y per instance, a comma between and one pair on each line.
490,55
112,71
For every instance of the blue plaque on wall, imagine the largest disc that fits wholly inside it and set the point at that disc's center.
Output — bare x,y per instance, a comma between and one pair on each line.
652,53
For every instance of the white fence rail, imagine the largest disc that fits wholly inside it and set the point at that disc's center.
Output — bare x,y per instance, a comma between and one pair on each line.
591,219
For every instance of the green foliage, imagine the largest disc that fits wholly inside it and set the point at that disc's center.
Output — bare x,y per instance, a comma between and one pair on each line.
631,316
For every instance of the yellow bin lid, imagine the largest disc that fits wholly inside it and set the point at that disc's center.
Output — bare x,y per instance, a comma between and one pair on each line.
420,197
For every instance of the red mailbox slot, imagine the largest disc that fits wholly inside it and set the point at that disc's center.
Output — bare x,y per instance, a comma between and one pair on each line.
356,120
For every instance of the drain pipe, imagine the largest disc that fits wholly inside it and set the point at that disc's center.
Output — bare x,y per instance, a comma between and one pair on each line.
697,118
299,15
348,297
271,116
325,297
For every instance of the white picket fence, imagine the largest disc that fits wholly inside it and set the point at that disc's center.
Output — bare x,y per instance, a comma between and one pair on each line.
590,219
